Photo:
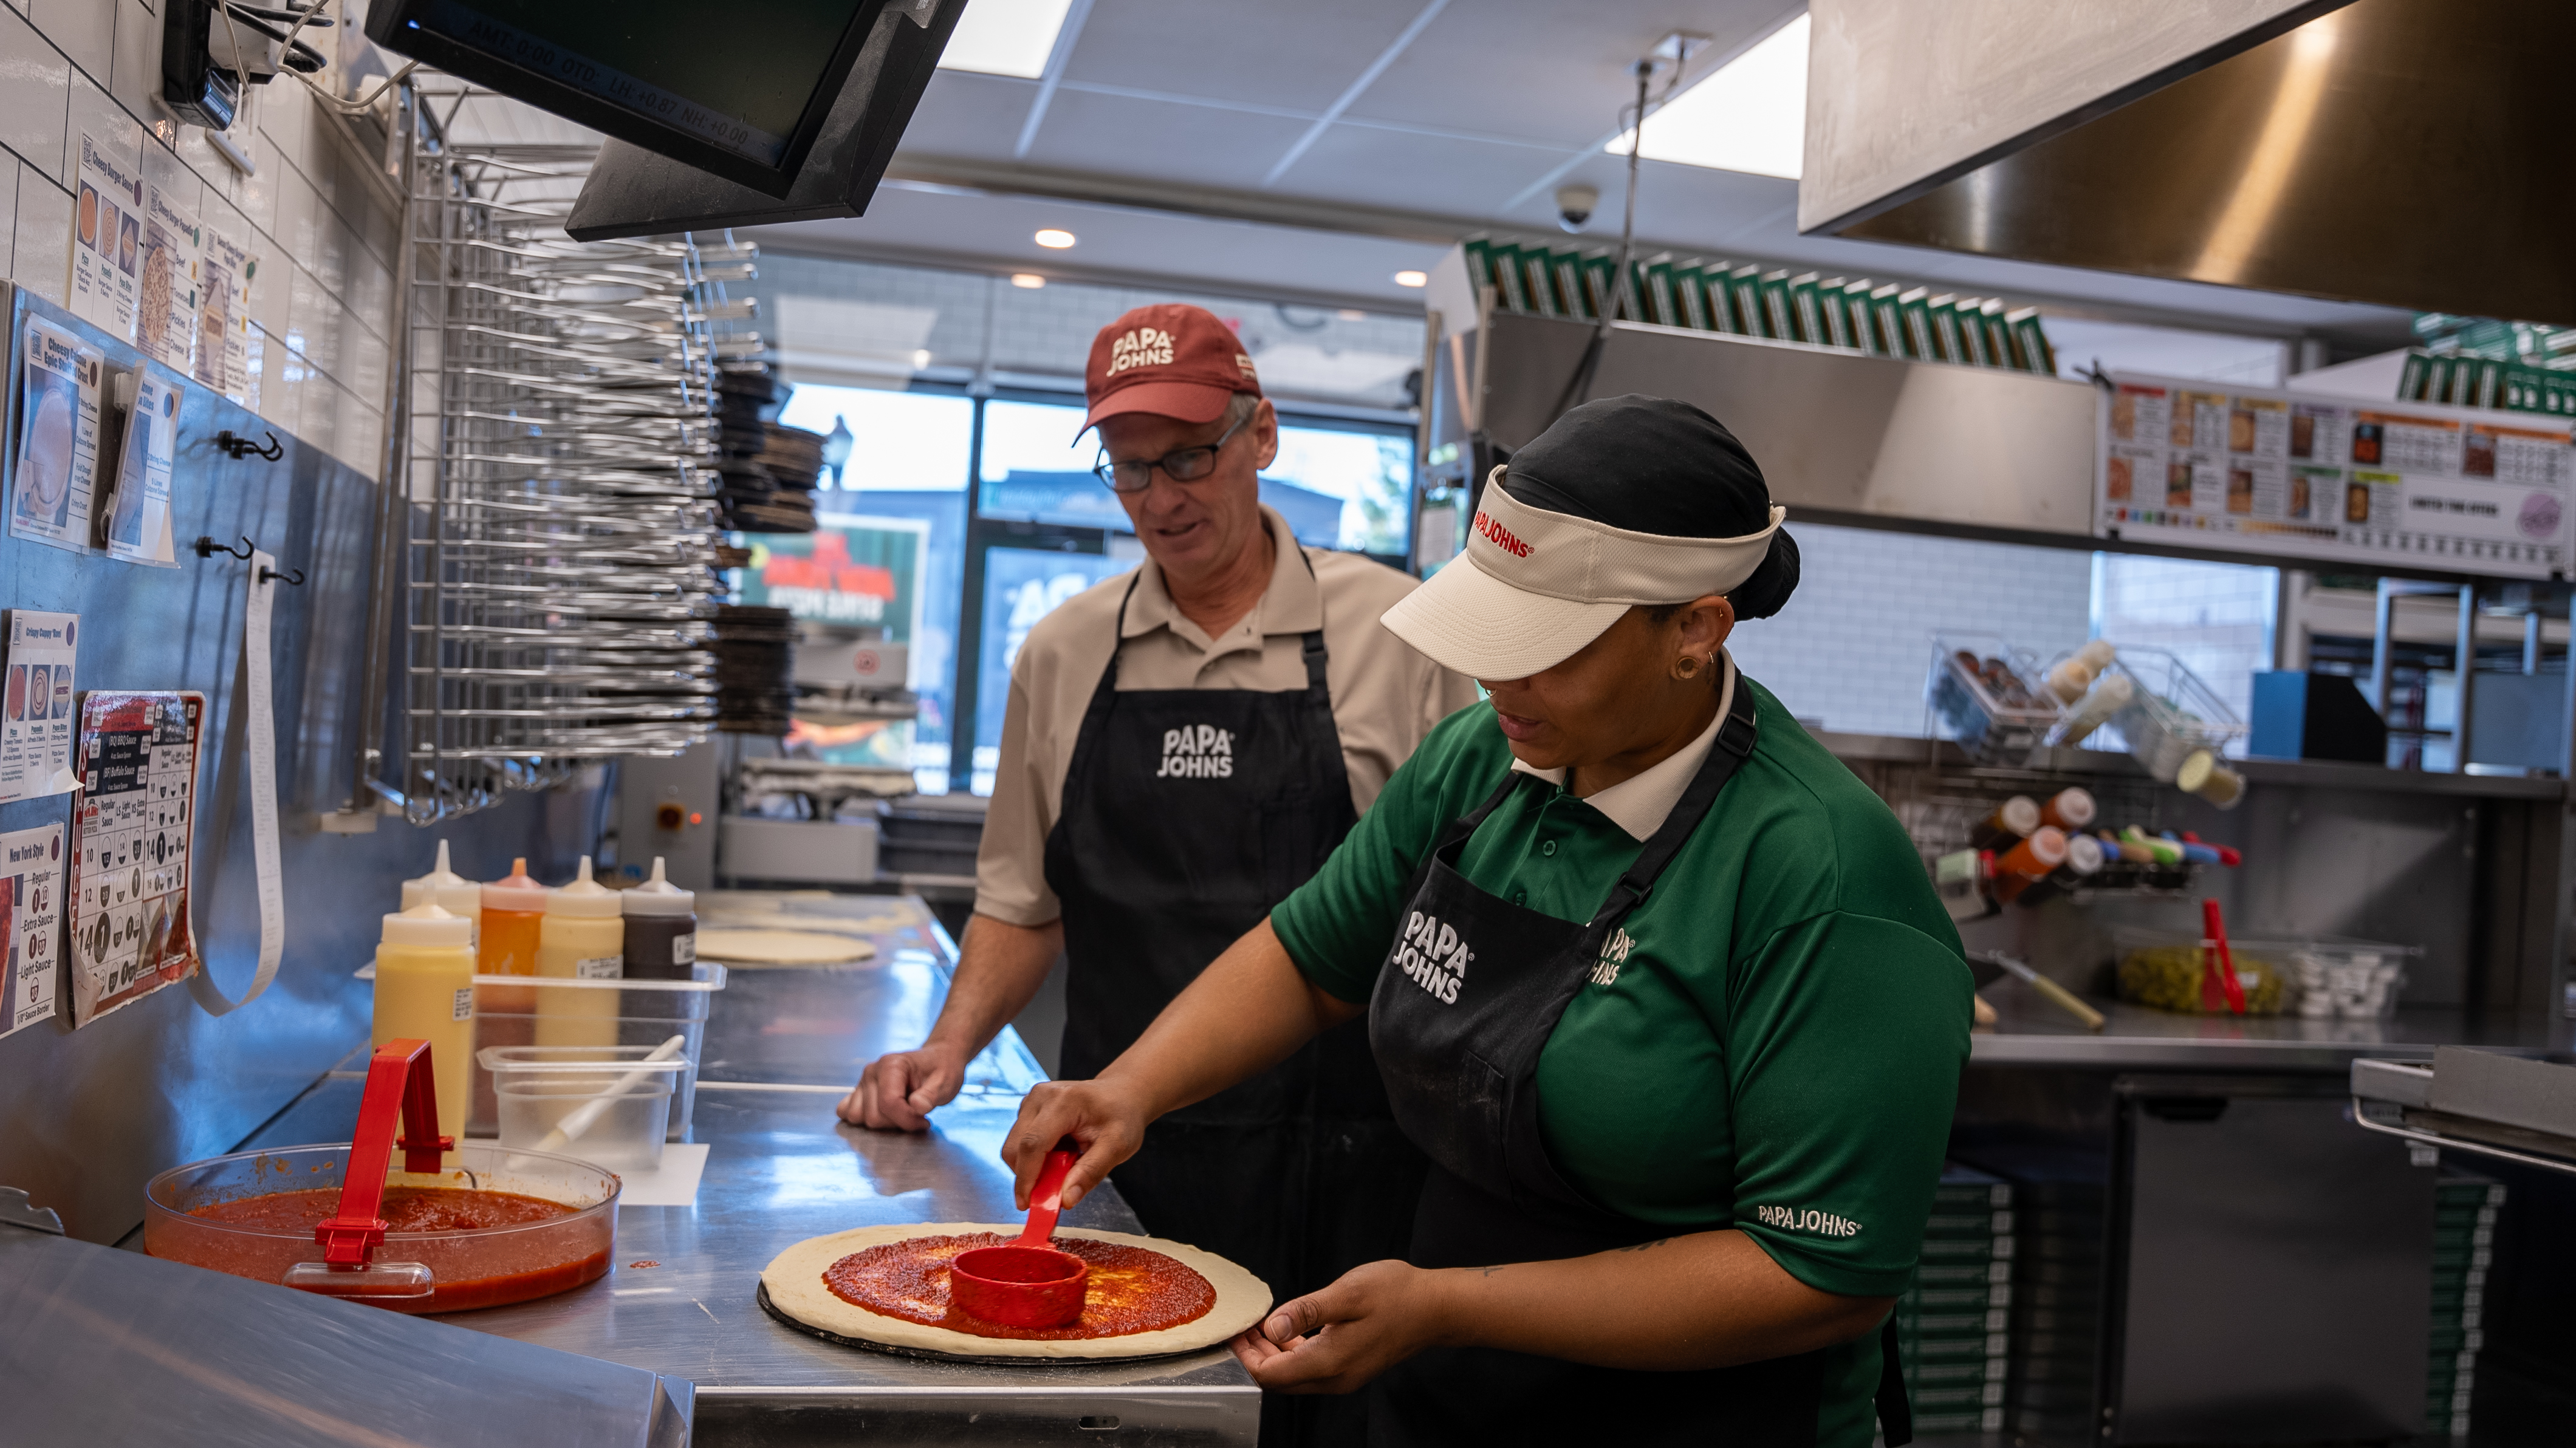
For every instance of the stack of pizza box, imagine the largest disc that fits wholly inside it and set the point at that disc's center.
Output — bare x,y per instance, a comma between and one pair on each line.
1954,1324
2465,1208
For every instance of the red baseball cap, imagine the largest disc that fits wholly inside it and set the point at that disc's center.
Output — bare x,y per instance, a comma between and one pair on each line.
1171,360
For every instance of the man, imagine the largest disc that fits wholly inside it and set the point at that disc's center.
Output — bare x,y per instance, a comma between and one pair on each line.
1182,747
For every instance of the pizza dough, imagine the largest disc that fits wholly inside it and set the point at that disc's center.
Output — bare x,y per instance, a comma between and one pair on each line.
737,946
795,1282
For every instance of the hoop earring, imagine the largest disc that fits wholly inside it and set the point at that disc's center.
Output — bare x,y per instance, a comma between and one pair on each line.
1686,667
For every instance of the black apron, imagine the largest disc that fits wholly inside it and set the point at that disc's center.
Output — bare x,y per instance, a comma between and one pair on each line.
1187,814
1470,993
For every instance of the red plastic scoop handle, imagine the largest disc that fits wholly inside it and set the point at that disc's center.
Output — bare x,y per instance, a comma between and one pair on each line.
2222,961
398,1081
1046,1199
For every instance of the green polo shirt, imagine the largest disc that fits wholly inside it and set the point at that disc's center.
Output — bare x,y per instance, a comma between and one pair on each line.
1772,1041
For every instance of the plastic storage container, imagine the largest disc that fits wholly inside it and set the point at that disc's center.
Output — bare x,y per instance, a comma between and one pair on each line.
647,1013
2346,979
2162,969
2171,715
475,1267
1986,694
607,1103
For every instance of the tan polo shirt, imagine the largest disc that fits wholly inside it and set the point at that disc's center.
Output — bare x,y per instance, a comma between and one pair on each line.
1386,697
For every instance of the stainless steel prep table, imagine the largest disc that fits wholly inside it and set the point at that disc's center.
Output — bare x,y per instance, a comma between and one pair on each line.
2031,1032
782,1169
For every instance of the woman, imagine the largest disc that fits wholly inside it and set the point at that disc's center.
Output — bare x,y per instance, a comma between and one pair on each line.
1659,987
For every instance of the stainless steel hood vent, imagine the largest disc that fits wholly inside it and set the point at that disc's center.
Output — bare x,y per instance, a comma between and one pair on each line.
2403,152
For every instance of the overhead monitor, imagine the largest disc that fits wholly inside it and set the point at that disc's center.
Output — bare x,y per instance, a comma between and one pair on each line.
632,191
739,90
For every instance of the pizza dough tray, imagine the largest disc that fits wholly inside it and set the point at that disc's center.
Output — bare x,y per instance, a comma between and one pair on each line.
933,1355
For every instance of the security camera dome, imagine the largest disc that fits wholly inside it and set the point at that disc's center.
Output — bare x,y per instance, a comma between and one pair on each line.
1575,204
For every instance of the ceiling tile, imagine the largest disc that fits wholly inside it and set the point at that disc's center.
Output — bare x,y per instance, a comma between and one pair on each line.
970,115
1170,142
1301,55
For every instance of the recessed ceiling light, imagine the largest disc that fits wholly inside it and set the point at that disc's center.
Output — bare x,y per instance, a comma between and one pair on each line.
1027,281
1005,37
1055,238
1412,279
1750,116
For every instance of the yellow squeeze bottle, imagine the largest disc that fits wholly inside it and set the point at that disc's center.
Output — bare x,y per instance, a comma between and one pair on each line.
425,991
583,936
454,893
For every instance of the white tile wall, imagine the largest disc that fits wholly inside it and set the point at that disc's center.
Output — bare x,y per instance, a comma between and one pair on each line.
321,298
1854,644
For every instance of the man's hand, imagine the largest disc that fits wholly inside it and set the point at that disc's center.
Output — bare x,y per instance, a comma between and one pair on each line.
1108,1123
898,1091
1334,1341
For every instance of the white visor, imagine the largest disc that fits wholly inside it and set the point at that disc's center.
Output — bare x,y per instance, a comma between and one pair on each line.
1534,587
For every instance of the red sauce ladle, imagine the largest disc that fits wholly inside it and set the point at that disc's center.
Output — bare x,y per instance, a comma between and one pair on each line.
1028,1283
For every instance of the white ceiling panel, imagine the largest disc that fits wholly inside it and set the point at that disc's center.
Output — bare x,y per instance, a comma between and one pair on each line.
970,115
1161,138
1301,55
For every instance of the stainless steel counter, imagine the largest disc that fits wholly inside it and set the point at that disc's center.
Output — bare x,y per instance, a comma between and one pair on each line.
783,1169
2031,1032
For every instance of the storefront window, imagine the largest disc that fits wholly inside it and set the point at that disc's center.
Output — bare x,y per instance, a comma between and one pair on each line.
1021,586
908,459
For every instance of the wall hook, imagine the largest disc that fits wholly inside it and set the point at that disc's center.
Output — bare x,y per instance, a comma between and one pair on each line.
241,447
293,578
208,547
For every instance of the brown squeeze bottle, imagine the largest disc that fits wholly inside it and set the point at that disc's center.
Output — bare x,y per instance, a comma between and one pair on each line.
661,929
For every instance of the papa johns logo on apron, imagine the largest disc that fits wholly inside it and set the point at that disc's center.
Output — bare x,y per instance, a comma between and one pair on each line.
1200,751
1433,956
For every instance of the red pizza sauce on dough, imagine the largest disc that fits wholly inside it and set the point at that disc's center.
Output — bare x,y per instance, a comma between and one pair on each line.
1132,1289
405,1209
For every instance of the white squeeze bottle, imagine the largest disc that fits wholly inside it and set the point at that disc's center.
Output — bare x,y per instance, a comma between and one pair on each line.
425,991
454,893
584,937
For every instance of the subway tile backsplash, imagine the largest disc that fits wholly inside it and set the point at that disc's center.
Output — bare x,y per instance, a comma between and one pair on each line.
322,298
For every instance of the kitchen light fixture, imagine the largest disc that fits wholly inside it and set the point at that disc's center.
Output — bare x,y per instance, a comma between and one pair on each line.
1027,281
1054,238
1005,37
1412,279
1751,115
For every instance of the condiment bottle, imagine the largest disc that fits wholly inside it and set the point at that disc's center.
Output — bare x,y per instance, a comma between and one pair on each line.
454,893
2083,861
2070,809
2026,862
2203,775
512,909
2106,698
425,991
2076,672
2013,819
582,937
661,929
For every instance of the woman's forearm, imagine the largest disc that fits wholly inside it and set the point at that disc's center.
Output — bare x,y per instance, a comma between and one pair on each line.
1705,1300
1246,1012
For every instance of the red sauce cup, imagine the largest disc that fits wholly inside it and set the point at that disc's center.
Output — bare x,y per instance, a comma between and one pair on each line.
1019,1286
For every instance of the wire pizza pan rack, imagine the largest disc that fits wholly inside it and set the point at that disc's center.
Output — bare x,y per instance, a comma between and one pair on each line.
550,582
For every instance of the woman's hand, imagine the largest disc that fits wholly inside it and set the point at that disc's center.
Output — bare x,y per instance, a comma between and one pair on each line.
1333,1341
1104,1120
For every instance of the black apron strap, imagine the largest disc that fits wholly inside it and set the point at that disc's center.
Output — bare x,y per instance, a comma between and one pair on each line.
1733,745
1895,1414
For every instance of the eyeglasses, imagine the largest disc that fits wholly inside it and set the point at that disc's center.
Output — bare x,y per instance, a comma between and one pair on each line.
1187,465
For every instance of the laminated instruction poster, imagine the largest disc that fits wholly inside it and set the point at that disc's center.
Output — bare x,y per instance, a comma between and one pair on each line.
36,714
57,462
128,930
107,240
135,525
2367,483
166,305
225,361
31,925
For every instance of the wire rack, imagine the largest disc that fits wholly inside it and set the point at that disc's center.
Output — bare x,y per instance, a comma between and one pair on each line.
552,586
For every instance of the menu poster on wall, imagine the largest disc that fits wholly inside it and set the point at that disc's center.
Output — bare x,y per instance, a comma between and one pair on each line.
136,523
107,240
31,925
57,464
225,360
2368,483
129,931
166,308
36,714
